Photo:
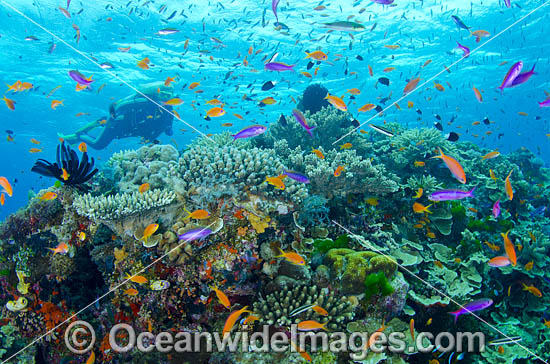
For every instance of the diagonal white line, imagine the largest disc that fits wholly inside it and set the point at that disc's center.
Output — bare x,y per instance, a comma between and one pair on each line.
114,75
370,246
453,64
103,296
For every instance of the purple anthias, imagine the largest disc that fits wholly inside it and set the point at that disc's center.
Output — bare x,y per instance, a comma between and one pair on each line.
274,4
302,120
297,176
472,307
523,77
508,3
464,49
195,234
383,2
250,131
279,67
496,209
79,77
545,103
513,72
450,195
68,3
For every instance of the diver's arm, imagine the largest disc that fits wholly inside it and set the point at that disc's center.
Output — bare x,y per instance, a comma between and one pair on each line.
90,126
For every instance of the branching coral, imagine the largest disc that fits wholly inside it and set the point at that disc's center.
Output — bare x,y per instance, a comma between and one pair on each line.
359,174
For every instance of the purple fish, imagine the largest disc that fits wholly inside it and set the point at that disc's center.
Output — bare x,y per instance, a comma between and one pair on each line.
297,176
545,103
523,77
472,307
383,2
513,72
508,3
279,67
79,77
195,234
496,209
250,131
302,120
274,4
464,49
451,195
68,3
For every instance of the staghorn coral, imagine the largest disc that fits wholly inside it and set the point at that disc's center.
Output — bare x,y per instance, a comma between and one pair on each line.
277,306
330,124
212,170
359,175
121,205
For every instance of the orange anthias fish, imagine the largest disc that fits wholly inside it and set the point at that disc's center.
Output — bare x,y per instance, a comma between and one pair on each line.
318,153
366,107
197,214
2,198
83,147
131,292
65,175
194,85
277,181
419,193
478,95
346,146
137,279
509,248
317,55
56,103
62,248
336,102
144,63
321,311
491,155
35,150
354,91
144,187
500,261
311,325
233,317
411,85
455,167
174,102
6,186
292,257
338,171
48,196
9,103
34,141
215,112
420,209
149,230
222,297
508,186
532,289
168,81
411,328
91,359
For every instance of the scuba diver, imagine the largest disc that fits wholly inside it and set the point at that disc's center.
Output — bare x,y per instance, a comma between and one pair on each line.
132,116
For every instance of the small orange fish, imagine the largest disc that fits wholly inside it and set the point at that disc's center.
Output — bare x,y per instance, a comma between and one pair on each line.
91,359
318,153
174,102
149,230
56,103
193,85
529,266
65,175
491,155
420,209
366,107
321,311
453,165
388,69
292,257
411,328
222,297
144,63
215,112
337,102
197,214
48,196
6,186
306,74
354,91
144,187
2,199
137,279
232,318
346,146
83,147
168,81
509,248
478,95
311,325
227,124
338,171
131,292
411,85
371,73
238,116
419,164
317,55
35,150
508,186
419,193
268,101
532,289
62,248
34,141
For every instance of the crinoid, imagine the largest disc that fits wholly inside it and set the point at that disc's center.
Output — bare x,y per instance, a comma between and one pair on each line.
79,171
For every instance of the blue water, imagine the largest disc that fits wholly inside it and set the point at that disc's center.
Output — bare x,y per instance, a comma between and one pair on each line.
423,29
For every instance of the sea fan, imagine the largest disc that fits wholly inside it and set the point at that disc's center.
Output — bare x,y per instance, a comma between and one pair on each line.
79,171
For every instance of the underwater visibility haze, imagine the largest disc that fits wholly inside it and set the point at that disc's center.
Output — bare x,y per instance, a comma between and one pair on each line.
361,166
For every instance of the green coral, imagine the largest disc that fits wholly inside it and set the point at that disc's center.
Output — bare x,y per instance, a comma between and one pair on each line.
22,258
377,283
352,267
326,244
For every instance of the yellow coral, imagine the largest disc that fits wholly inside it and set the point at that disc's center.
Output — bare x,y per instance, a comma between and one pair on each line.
258,223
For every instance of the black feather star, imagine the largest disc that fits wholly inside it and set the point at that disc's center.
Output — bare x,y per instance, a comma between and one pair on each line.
79,171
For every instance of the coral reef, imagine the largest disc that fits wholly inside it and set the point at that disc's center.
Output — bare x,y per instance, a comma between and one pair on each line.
277,307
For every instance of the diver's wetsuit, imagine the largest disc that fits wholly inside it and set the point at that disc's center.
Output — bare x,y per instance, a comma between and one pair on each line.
141,118
133,116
